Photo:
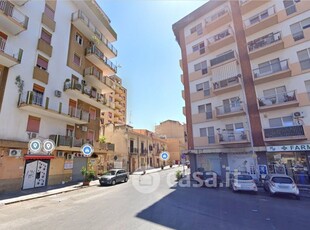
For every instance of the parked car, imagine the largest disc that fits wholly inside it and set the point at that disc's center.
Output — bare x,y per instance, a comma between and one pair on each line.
280,183
210,179
243,182
114,176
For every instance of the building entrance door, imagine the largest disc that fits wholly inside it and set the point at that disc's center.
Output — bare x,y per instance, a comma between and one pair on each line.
36,173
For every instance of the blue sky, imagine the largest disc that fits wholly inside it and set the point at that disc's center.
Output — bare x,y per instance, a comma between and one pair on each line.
149,57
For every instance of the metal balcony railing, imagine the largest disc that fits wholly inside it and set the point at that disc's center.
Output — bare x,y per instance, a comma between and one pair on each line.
61,140
222,58
8,9
264,41
271,69
104,79
231,136
229,108
94,50
278,98
216,15
133,150
17,55
260,16
98,35
227,82
220,36
288,131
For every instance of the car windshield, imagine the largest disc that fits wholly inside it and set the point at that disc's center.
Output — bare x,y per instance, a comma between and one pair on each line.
282,180
112,172
244,177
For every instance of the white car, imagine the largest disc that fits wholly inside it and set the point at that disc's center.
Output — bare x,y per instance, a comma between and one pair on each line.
280,183
243,182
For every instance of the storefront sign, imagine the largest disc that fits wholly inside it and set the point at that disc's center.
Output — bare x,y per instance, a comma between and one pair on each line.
289,148
68,164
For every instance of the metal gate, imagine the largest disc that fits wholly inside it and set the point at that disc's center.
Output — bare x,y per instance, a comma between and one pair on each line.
78,163
36,172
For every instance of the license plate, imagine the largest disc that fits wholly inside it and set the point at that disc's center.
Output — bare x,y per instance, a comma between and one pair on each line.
283,186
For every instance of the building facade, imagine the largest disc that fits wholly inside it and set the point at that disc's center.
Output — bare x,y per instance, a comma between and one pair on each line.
55,82
246,79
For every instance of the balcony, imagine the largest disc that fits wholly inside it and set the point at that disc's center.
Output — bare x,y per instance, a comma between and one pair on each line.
49,22
285,133
223,59
227,85
272,72
79,91
262,20
20,2
278,101
9,58
265,45
67,143
182,79
249,5
117,113
12,20
200,95
230,110
133,150
202,117
95,56
221,40
45,47
230,137
40,74
184,110
35,103
217,20
82,22
93,76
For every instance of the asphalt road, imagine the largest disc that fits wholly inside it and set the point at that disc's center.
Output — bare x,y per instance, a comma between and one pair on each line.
154,201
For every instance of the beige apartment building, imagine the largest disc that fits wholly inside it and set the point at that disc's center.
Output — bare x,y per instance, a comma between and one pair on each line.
175,135
56,81
246,67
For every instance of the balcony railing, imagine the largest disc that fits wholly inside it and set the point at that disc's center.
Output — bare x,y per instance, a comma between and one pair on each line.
278,98
133,150
98,74
61,140
259,17
222,58
227,82
271,69
98,35
216,15
100,55
16,55
264,41
78,113
220,36
289,131
227,136
229,108
8,9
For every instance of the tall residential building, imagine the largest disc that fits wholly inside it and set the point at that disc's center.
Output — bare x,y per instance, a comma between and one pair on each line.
56,79
246,68
175,135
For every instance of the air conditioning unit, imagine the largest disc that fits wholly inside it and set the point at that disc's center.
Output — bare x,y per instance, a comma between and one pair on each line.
32,135
84,128
57,93
298,114
60,154
15,152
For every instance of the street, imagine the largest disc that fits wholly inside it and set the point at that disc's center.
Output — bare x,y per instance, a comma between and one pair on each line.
153,201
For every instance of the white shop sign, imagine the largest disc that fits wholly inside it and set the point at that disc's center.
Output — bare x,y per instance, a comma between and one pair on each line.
289,148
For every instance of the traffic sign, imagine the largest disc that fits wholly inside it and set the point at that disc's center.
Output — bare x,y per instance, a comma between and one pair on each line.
48,146
164,156
35,145
183,156
87,150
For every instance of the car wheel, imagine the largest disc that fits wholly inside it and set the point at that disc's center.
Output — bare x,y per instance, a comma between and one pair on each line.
297,197
270,193
101,184
234,190
126,179
113,182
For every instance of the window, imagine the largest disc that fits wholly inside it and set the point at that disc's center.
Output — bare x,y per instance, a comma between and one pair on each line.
201,66
275,95
38,92
92,114
269,67
70,131
49,12
211,135
79,39
289,6
304,59
205,86
77,60
42,63
297,29
307,84
46,36
203,132
259,17
199,47
281,122
33,124
207,108
201,108
197,28
90,135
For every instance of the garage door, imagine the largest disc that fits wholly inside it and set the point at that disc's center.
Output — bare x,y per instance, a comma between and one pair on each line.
78,163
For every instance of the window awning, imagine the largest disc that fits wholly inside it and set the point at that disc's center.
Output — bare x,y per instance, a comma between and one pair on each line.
38,157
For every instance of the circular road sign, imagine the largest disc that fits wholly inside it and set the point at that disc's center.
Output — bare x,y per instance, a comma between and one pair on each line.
87,150
35,145
48,146
164,156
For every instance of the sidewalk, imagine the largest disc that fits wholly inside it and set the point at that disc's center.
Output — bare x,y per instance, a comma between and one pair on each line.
30,194
153,170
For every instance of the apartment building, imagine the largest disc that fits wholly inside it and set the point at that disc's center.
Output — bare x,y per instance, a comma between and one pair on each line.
55,68
175,135
246,68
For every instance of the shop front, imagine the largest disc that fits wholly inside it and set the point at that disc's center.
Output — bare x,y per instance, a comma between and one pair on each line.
291,160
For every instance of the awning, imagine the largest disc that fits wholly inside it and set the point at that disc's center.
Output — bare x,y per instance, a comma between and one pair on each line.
38,157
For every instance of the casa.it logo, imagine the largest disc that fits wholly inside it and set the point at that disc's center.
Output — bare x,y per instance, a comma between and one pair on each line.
145,183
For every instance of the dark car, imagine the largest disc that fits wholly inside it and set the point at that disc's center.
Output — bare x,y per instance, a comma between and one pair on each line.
114,176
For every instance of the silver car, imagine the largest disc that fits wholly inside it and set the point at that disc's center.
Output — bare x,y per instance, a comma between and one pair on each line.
243,182
279,183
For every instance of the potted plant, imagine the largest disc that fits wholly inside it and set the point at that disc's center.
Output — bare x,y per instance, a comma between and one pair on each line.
178,175
89,175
